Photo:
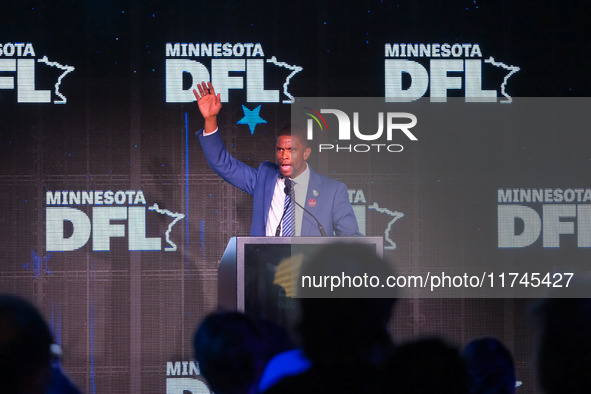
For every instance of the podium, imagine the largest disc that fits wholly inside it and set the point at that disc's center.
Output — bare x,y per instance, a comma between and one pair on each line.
258,275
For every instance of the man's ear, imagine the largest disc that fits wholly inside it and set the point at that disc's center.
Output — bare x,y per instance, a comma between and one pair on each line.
307,152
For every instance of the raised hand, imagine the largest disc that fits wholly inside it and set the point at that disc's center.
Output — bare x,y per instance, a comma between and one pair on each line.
209,104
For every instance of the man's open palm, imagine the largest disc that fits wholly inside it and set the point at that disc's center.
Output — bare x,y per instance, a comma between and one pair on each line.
209,103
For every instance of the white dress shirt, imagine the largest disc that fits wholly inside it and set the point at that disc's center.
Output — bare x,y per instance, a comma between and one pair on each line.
300,185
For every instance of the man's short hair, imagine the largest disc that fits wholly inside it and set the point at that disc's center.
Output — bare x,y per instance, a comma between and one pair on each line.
298,132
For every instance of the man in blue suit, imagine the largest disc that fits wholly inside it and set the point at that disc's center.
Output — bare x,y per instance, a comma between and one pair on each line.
316,196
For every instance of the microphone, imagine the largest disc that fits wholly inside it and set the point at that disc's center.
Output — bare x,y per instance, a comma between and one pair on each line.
287,190
278,230
320,228
288,186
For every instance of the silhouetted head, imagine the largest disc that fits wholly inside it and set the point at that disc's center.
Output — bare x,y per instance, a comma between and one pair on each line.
25,341
564,348
344,330
490,367
230,351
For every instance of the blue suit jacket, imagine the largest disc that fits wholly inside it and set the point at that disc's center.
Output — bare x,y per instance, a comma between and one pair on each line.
326,198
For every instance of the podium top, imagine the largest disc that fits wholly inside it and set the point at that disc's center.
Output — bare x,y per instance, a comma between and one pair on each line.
378,242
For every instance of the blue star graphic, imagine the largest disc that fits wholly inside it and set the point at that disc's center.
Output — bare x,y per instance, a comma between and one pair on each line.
251,118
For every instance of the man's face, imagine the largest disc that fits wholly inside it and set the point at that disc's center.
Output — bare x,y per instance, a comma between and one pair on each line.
291,155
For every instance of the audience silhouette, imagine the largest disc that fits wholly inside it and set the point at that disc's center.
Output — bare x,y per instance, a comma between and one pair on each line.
345,346
25,347
564,345
490,367
428,366
346,340
26,357
230,350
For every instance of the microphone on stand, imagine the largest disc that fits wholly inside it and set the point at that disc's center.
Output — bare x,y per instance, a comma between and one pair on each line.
287,190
